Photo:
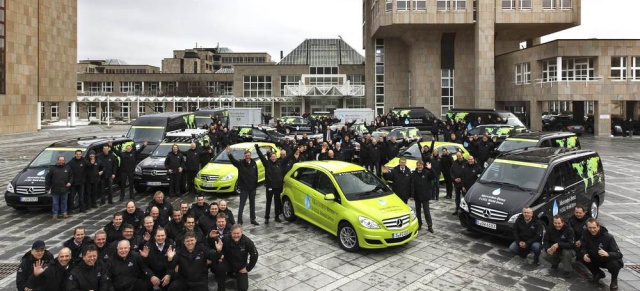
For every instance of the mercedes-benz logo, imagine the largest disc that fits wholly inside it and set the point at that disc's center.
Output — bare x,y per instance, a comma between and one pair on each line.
154,172
399,222
30,190
486,213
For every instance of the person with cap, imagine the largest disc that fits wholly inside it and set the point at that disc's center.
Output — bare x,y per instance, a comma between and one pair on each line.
51,277
89,274
38,253
76,244
57,183
127,167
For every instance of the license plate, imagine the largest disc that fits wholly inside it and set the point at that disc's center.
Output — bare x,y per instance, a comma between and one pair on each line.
154,183
400,234
485,224
28,199
206,185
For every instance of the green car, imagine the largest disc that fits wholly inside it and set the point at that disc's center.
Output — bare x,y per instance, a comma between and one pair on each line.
349,202
220,176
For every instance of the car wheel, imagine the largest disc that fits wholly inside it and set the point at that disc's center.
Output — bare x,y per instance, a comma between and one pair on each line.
287,209
348,237
236,188
594,208
140,188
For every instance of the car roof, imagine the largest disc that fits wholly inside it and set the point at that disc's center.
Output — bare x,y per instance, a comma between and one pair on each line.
249,145
332,166
474,110
87,141
540,135
439,143
542,155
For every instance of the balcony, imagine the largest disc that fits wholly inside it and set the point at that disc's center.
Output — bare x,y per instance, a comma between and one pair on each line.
430,12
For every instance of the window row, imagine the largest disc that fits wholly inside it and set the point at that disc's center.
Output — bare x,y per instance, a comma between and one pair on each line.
243,60
546,4
421,5
619,68
257,86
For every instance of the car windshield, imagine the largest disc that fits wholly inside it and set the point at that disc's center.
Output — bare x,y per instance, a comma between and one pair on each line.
49,157
237,154
411,152
512,145
150,134
292,120
398,134
163,149
274,132
517,174
361,185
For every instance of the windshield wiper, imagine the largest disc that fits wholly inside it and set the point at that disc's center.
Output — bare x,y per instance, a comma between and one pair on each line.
507,184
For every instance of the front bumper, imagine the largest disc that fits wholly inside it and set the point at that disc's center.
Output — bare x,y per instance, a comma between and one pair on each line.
218,186
382,238
151,181
503,229
42,201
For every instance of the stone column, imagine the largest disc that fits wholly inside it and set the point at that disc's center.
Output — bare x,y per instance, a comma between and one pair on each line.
39,117
485,78
73,114
535,115
601,119
559,69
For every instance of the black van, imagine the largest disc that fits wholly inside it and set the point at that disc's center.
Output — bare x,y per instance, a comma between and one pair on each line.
418,117
153,128
488,116
567,140
204,116
27,189
551,181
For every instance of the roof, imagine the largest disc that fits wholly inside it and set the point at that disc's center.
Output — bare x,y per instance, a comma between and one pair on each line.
539,135
323,53
115,62
250,145
333,166
541,155
84,141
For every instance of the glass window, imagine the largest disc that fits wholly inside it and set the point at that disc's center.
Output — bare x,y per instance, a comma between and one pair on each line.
361,185
420,5
460,4
508,4
518,74
635,68
548,4
549,71
526,68
447,89
54,110
158,107
525,4
288,81
306,176
325,185
403,5
69,110
565,4
389,5
517,175
619,68
257,86
125,109
442,5
79,87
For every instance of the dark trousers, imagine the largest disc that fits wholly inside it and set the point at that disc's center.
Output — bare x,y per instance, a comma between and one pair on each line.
244,194
174,183
73,191
124,175
273,193
436,189
613,266
180,284
436,136
191,178
458,197
448,183
221,276
535,248
374,166
92,194
106,183
420,205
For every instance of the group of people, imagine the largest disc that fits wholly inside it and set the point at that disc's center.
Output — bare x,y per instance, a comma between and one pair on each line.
581,237
162,247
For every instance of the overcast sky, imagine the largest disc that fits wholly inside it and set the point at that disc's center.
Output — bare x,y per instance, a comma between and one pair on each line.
146,31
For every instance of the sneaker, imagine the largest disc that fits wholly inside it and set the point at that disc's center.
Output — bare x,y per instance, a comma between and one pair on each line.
65,216
601,275
55,217
255,222
614,284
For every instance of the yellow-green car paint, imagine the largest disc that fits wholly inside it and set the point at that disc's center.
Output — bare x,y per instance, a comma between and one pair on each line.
411,163
310,205
224,169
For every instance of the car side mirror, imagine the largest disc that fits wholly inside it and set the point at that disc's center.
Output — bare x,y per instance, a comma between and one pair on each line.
330,197
558,190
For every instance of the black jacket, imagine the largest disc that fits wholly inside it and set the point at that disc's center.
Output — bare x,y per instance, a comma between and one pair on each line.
602,240
247,173
446,162
58,177
79,169
273,171
401,181
206,223
563,237
197,211
175,229
471,174
113,234
109,164
157,259
165,209
394,148
134,218
578,226
104,253
25,270
85,278
76,250
527,232
193,160
192,266
126,271
230,219
174,161
422,184
374,153
457,172
483,150
93,171
179,241
136,242
205,156
127,159
237,253
54,278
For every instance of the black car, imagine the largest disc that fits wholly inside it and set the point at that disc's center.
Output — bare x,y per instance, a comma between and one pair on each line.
418,117
248,133
500,131
27,189
487,116
567,140
563,123
298,124
617,125
153,128
412,134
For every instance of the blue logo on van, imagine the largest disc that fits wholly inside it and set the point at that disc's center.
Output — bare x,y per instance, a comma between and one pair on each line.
496,192
307,202
555,207
41,173
406,121
382,202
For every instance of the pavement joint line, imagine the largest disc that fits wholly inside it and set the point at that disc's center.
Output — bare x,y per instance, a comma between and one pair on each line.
480,280
628,189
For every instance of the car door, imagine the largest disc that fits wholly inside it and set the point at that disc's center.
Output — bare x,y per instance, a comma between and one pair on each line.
327,213
304,189
572,172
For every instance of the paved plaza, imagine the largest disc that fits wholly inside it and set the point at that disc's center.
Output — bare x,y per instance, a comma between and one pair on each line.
299,256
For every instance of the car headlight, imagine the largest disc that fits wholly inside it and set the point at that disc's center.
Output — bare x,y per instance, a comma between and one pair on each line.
228,177
413,214
10,188
368,223
486,164
463,205
514,217
138,170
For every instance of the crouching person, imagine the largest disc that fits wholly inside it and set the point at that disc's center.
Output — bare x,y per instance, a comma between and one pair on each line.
528,233
558,245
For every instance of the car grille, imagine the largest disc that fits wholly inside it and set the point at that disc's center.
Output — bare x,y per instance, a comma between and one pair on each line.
154,172
30,190
392,223
488,213
209,178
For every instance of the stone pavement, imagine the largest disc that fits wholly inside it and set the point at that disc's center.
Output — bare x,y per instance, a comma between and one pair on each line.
299,256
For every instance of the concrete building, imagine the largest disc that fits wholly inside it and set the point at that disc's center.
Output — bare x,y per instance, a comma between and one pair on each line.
38,55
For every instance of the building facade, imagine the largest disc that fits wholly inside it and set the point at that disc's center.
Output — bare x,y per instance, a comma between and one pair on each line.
38,55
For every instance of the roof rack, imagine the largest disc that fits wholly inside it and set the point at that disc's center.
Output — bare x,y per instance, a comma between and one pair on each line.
87,137
185,135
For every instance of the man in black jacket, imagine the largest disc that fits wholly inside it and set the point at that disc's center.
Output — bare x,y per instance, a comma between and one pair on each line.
189,226
100,241
76,244
38,253
274,181
400,176
223,207
135,242
373,149
154,254
198,208
248,182
457,176
90,274
601,251
208,220
421,191
190,261
484,149
471,173
78,166
578,222
175,165
128,272
528,233
558,245
52,276
114,228
132,215
446,161
127,167
109,167
164,207
234,250
57,182
175,227
206,154
192,166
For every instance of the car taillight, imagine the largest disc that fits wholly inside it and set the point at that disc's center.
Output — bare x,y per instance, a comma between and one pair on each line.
569,127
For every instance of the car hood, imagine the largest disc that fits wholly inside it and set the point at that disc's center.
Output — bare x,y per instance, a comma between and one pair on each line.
411,163
219,169
31,176
381,208
153,162
499,197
